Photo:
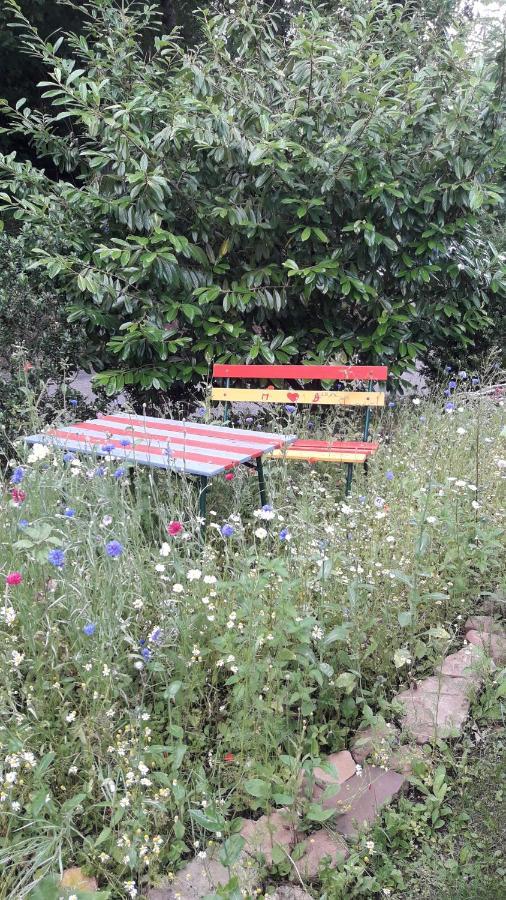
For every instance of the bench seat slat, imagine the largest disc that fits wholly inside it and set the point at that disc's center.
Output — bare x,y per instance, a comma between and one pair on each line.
309,372
323,398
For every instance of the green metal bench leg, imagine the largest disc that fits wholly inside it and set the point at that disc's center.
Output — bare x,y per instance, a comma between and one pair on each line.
261,481
203,488
349,478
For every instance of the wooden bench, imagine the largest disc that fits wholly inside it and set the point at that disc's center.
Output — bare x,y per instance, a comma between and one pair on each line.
333,451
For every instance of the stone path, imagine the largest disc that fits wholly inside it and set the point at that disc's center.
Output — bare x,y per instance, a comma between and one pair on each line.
354,785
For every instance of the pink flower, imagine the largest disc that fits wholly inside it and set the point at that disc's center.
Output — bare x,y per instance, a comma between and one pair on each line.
174,528
18,496
229,476
14,578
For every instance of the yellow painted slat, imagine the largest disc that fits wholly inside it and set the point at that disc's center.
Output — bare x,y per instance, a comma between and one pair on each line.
321,456
326,398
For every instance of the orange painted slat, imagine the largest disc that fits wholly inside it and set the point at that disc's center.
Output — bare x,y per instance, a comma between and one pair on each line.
309,372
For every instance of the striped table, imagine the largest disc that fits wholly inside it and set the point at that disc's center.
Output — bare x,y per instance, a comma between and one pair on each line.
185,447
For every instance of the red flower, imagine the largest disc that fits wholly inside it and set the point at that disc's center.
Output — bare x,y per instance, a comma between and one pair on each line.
174,528
18,495
14,578
229,757
229,476
27,366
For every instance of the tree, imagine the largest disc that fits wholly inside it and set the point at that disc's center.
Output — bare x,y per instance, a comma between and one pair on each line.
317,194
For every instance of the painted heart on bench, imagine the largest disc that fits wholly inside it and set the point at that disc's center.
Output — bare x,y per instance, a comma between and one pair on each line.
292,396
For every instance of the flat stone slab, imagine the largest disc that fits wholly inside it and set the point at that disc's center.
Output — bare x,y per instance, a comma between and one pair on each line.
437,708
493,645
341,765
202,876
261,836
375,740
319,846
405,758
360,798
75,879
289,892
483,623
463,665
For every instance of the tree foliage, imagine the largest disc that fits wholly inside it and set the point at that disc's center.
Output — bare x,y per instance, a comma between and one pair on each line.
315,192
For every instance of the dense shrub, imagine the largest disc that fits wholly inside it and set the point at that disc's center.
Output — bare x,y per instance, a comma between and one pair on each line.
39,353
314,193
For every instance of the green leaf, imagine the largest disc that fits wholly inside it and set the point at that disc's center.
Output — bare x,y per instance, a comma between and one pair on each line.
231,850
258,788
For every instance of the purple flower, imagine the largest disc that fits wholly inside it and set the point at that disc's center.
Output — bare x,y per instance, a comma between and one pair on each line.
283,534
452,384
73,402
201,411
389,475
379,502
446,392
69,513
227,530
155,636
475,380
18,475
114,549
310,426
449,407
267,507
108,448
56,558
23,523
68,457
290,408
146,653
119,472
361,499
99,472
391,404
448,369
249,419
462,375
89,629
125,442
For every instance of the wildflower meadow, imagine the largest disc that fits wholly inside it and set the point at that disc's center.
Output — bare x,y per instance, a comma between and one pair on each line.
154,688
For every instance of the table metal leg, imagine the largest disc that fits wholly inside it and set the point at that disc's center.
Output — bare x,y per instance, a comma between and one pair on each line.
203,487
261,481
349,478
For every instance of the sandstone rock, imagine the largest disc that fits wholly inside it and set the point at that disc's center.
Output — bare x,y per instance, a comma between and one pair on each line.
405,758
483,623
76,879
360,798
376,739
277,829
202,876
319,845
288,892
463,665
342,765
437,708
494,645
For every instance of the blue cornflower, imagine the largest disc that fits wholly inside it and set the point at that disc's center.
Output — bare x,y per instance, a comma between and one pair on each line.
283,534
227,530
108,448
452,384
125,442
249,419
69,513
114,549
155,636
389,475
446,392
310,426
56,558
422,418
361,499
462,375
146,653
68,457
18,475
73,402
89,629
391,404
267,507
448,369
475,380
99,472
119,472
290,408
449,407
23,523
201,411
